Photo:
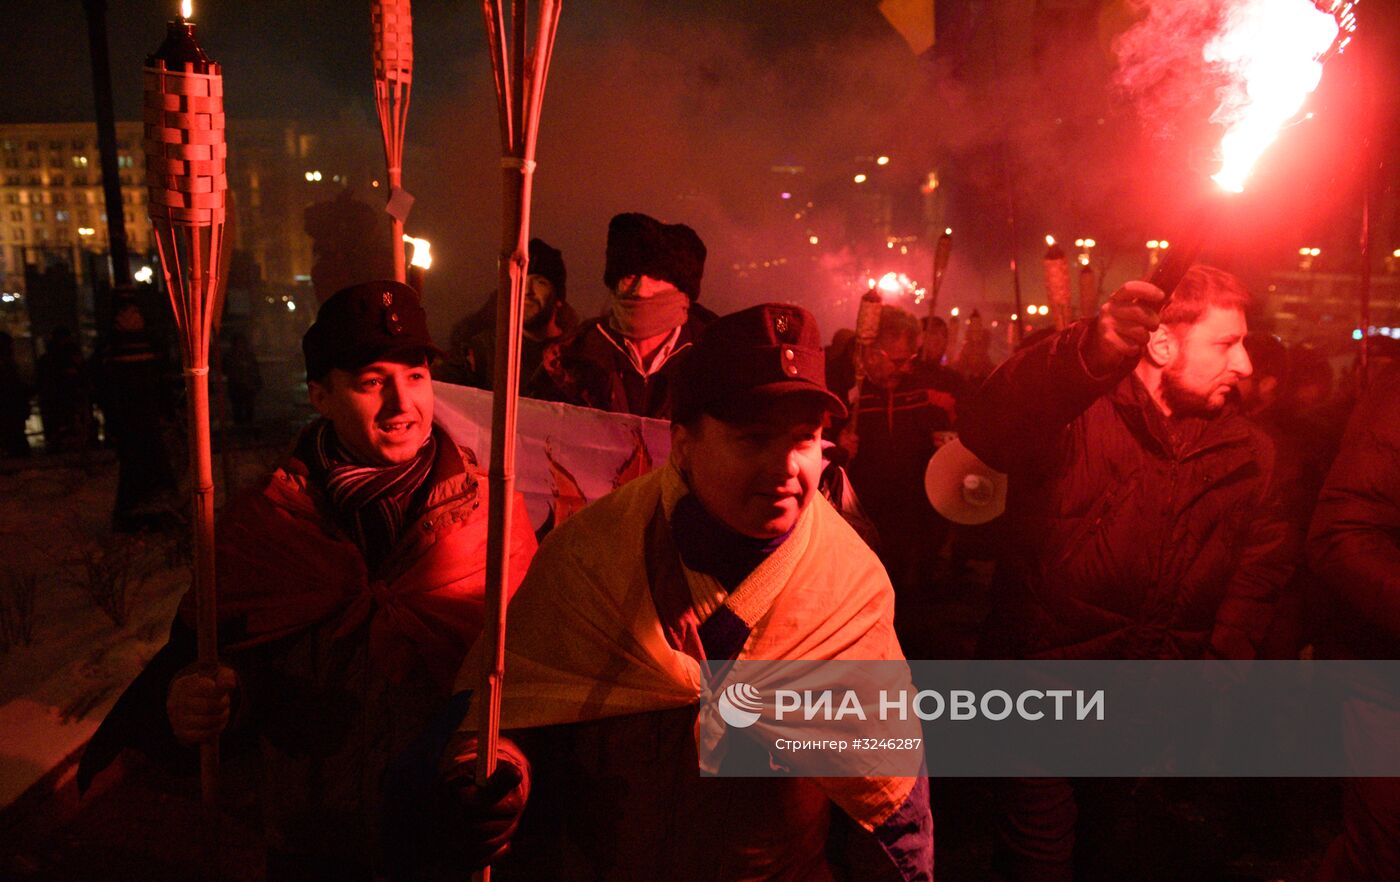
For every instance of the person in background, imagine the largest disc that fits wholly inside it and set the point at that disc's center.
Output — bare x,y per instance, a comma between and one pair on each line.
929,363
136,404
1354,548
14,401
244,379
897,420
548,319
625,362
974,361
65,403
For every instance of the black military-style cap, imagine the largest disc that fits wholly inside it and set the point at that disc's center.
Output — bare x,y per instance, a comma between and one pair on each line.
747,359
374,321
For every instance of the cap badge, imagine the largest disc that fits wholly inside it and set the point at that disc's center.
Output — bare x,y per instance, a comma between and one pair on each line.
388,298
780,323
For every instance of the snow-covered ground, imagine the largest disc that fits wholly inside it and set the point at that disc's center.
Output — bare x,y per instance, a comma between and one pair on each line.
54,538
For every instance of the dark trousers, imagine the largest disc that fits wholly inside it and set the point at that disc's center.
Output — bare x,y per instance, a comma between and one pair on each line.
1059,829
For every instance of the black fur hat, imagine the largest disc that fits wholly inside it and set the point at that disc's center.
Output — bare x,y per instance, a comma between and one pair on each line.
639,245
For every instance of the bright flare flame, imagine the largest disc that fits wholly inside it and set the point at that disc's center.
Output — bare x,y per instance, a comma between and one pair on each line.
897,284
1273,51
186,8
421,257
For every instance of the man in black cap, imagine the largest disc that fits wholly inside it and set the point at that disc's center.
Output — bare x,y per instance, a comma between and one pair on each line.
548,319
727,552
625,362
350,588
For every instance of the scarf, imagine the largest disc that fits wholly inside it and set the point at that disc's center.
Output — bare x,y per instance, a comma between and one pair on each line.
707,545
638,318
371,502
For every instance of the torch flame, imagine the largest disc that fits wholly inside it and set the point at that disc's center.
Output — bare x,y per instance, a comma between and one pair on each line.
1273,51
421,255
186,8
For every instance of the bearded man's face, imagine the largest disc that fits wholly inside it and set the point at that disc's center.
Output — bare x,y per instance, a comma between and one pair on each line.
1209,363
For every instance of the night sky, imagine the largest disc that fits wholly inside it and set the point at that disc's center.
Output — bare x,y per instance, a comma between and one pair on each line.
680,109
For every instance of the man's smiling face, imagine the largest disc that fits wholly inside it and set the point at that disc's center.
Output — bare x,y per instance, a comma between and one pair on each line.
382,412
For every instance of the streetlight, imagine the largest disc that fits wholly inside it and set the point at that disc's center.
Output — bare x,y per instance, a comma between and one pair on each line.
860,178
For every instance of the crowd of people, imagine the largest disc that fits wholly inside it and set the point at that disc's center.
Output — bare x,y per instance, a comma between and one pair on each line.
1165,467
125,395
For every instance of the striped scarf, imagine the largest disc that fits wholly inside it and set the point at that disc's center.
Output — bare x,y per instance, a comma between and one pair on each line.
372,502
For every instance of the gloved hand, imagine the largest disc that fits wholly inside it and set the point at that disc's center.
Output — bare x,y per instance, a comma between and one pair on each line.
490,813
1125,322
199,701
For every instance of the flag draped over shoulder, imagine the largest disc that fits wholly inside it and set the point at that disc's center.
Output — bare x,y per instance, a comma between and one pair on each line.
585,642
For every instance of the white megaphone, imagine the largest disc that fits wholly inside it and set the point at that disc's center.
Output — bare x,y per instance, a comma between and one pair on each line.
963,488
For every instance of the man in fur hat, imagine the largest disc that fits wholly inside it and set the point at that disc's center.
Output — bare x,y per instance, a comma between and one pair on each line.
624,362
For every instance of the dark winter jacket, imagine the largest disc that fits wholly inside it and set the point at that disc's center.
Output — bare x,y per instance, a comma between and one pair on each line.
313,632
1131,535
595,370
1354,545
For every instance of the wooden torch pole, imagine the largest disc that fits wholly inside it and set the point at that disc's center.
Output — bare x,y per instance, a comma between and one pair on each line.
519,94
186,152
392,22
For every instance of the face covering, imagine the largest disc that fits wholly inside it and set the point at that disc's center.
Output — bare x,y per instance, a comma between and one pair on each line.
638,318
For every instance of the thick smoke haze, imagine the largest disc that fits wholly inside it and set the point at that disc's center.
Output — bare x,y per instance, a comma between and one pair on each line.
1077,117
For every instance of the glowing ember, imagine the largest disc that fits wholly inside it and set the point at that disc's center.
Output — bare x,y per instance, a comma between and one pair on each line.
1273,51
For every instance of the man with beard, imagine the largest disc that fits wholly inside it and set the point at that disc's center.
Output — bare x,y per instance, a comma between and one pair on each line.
1142,517
625,361
548,319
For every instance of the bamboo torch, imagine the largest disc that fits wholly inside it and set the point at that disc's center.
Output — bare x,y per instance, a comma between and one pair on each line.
867,330
1057,280
942,251
393,75
183,109
520,80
